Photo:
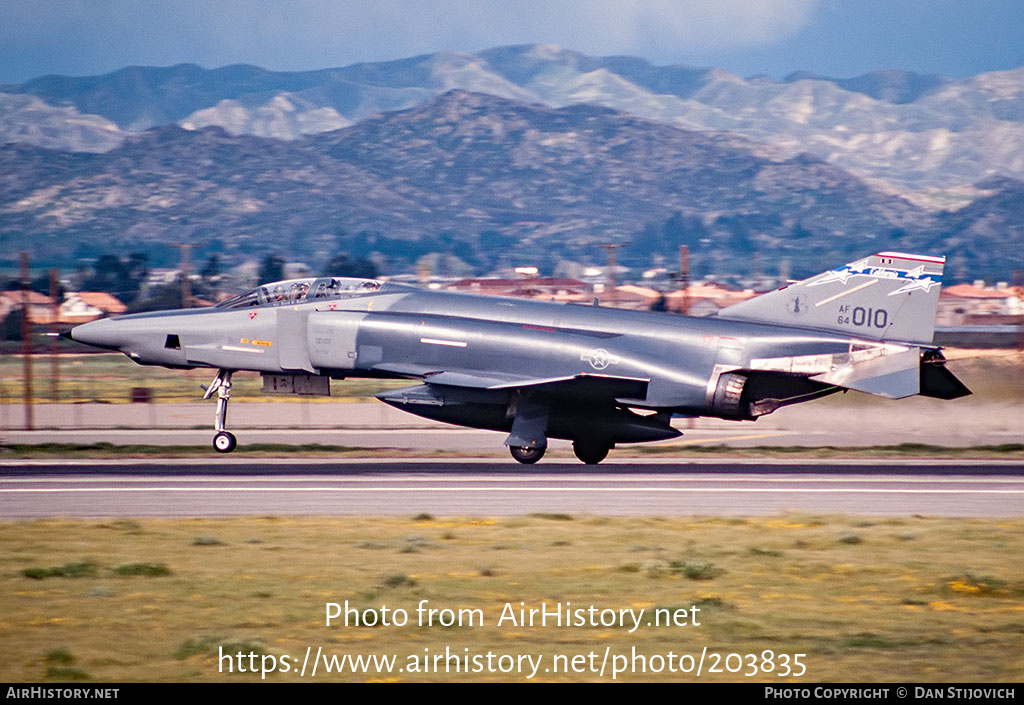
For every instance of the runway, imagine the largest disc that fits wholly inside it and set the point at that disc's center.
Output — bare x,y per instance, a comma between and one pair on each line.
838,422
234,487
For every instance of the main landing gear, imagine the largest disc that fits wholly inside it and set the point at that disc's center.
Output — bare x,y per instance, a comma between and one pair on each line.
224,441
590,452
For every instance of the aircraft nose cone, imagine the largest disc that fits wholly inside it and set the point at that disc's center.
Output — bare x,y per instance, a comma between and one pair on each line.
101,334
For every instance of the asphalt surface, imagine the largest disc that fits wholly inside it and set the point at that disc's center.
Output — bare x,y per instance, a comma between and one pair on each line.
831,422
234,487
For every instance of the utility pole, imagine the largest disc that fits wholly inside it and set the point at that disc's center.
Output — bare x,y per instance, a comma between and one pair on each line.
610,279
186,285
54,362
684,284
26,339
1018,285
684,278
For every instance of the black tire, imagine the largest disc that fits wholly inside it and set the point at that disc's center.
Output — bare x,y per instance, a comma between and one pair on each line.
526,456
590,453
224,442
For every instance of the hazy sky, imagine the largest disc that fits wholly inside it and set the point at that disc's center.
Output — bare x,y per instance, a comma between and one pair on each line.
834,37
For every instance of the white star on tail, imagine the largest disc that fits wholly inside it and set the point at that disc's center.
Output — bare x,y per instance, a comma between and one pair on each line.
925,284
836,275
842,274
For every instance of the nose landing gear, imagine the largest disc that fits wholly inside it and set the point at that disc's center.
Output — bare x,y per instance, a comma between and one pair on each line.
526,456
224,441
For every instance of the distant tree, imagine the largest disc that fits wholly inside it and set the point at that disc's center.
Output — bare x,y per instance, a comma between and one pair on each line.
342,265
801,233
272,269
682,230
120,278
11,325
211,270
42,284
138,265
546,264
135,272
168,296
491,240
107,274
159,298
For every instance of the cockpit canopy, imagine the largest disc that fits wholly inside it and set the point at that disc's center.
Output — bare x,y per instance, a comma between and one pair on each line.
291,291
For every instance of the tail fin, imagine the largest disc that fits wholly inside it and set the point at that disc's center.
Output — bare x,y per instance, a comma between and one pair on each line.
887,296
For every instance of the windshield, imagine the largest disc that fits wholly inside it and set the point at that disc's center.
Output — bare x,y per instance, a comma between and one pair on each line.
293,291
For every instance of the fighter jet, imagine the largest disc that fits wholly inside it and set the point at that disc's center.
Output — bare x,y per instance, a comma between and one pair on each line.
536,370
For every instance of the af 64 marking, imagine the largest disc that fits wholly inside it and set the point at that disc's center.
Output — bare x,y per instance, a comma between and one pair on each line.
863,317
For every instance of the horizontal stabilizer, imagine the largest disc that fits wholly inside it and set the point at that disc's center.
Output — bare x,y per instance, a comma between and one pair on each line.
887,370
888,296
893,376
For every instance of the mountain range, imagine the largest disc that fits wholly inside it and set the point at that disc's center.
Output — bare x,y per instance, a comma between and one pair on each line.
515,154
910,131
479,178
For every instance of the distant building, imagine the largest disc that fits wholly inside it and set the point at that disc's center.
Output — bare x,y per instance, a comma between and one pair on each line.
84,306
6,306
547,288
705,299
161,277
77,307
631,296
40,306
976,304
963,304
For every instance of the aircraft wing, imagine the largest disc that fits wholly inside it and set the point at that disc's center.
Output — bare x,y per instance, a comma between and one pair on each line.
452,378
581,386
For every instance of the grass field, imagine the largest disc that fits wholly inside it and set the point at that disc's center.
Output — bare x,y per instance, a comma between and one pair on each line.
908,599
111,378
918,599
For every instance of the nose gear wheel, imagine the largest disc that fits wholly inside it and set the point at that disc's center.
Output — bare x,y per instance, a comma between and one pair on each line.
526,456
